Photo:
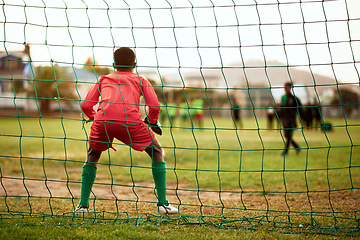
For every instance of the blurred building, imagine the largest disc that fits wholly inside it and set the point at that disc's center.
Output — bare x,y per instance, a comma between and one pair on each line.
12,67
14,70
255,84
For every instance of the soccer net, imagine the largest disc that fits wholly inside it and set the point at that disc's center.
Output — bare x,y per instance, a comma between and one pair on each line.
219,69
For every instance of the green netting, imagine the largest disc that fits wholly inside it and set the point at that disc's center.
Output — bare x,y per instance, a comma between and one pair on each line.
224,170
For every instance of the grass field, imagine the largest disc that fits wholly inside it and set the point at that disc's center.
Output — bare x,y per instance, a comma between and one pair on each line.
216,175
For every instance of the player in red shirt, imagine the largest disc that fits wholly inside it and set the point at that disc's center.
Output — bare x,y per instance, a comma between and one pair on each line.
118,116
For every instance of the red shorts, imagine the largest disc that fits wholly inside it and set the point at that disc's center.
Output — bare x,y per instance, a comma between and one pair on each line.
138,136
199,116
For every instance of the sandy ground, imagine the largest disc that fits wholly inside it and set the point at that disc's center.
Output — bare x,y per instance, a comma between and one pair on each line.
337,201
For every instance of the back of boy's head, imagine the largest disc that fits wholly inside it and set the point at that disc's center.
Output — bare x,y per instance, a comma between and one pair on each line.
288,85
124,58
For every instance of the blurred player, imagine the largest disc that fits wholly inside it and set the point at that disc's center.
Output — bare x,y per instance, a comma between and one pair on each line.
184,114
317,115
197,106
171,109
235,108
117,116
290,106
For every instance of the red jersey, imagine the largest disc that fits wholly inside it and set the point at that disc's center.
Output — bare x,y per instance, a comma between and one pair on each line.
118,95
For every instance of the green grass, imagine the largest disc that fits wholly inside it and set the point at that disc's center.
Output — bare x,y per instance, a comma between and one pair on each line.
211,172
245,158
126,231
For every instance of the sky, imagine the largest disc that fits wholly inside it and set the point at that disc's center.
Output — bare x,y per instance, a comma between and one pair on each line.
169,35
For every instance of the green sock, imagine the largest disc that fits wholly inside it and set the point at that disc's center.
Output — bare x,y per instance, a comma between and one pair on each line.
87,180
159,175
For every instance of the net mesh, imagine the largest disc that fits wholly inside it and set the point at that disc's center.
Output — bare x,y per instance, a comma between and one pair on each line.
218,68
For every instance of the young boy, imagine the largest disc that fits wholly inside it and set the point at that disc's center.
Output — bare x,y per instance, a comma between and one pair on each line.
117,116
290,106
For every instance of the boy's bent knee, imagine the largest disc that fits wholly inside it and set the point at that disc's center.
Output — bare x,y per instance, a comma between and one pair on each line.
153,150
155,153
93,156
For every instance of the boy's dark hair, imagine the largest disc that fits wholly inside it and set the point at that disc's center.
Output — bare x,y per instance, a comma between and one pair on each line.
288,85
124,58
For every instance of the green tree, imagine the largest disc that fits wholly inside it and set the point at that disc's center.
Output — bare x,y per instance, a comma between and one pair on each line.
92,66
51,83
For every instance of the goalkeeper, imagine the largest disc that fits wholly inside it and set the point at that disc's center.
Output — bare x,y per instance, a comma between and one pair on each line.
117,116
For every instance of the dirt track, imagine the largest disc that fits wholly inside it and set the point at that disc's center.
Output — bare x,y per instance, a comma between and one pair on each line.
321,202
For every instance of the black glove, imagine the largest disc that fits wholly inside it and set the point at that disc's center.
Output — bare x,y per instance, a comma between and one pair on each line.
155,127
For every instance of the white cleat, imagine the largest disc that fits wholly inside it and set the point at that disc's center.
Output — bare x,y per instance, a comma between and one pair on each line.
168,210
82,211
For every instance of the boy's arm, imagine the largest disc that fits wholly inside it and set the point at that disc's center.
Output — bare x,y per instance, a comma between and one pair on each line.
90,100
151,101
